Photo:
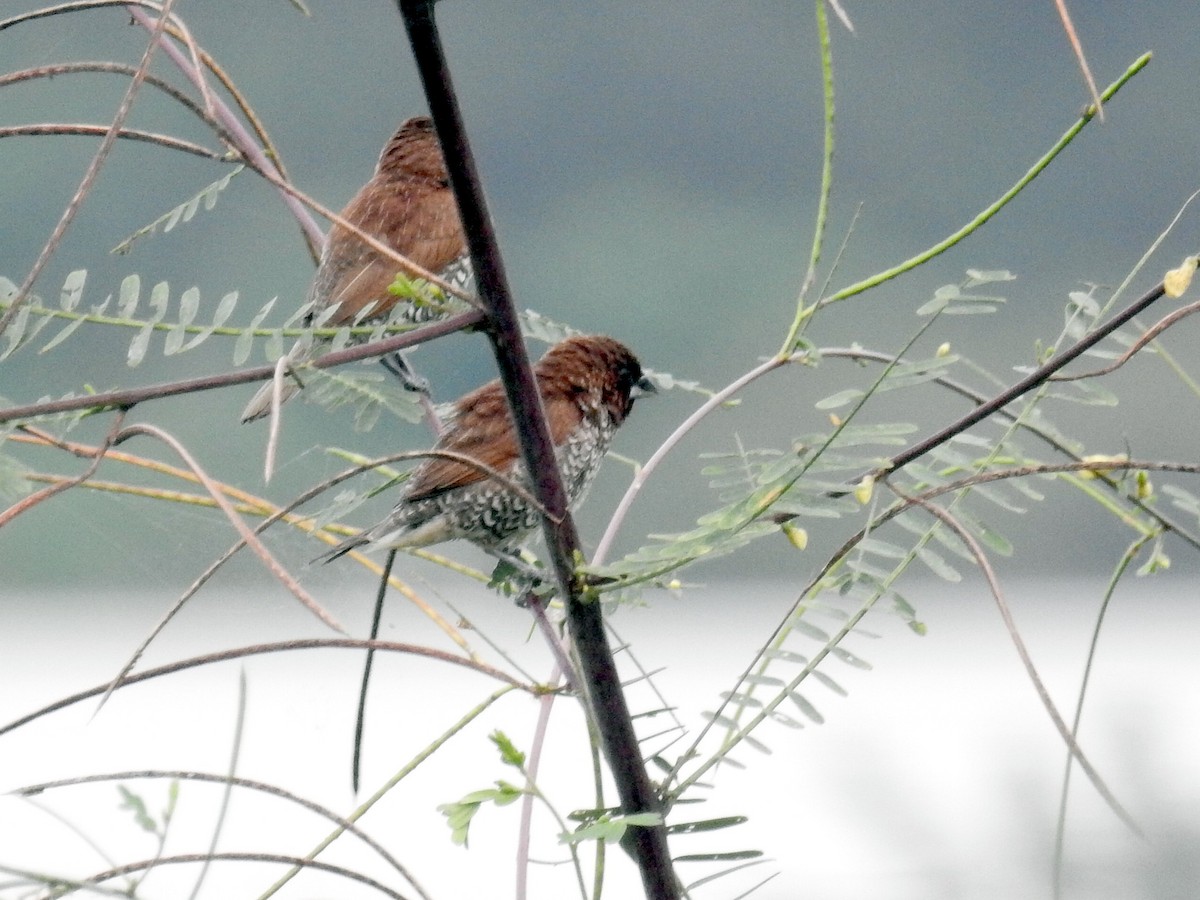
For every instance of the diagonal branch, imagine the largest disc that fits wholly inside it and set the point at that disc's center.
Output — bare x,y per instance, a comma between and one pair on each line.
132,396
93,169
27,503
647,844
281,574
1024,386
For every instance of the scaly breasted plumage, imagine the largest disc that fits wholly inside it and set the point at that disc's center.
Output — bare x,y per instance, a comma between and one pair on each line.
588,385
408,205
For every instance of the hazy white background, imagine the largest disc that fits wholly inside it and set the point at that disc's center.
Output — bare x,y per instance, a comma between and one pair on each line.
938,776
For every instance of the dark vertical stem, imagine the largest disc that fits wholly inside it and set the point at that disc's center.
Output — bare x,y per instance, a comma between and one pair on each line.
360,717
647,845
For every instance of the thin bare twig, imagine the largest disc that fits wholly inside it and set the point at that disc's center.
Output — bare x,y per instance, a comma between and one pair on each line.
112,68
281,574
1060,828
27,503
1147,336
275,420
93,169
248,784
349,874
281,646
132,396
1031,672
227,791
130,134
1077,49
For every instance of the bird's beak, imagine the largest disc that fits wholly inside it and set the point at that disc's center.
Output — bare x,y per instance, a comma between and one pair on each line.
644,388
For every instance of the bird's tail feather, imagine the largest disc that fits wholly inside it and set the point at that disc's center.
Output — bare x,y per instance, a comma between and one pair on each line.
352,543
260,404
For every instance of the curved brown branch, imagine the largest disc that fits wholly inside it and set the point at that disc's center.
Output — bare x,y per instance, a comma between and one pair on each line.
89,176
1150,334
259,649
1031,672
247,783
76,6
113,68
273,566
282,859
130,134
27,503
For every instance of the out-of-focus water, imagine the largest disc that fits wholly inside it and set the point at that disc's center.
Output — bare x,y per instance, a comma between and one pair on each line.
938,775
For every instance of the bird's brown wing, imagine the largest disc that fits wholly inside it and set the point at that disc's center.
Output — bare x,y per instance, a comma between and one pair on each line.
418,218
483,431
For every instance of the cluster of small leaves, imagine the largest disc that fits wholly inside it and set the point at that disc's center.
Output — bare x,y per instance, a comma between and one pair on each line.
34,316
141,813
428,299
760,488
369,393
763,486
803,661
593,824
460,814
951,299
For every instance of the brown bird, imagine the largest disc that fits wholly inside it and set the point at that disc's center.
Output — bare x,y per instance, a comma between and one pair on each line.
588,385
408,205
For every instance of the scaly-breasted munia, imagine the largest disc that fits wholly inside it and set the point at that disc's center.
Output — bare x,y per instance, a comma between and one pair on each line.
408,205
588,385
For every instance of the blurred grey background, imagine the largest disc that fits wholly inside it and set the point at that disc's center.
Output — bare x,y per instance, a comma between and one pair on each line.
653,172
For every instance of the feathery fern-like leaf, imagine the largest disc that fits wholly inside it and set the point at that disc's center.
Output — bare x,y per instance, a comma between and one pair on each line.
184,212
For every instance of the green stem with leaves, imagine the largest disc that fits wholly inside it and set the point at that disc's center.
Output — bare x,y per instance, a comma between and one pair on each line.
1140,63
